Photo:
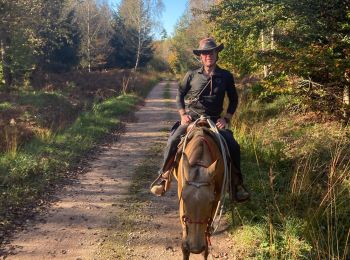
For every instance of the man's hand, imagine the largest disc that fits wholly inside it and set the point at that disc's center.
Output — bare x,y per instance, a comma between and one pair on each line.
186,119
221,123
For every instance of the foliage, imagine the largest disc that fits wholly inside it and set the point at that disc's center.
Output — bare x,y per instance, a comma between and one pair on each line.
181,58
161,52
299,39
191,27
40,37
93,20
138,20
59,51
297,169
26,174
124,47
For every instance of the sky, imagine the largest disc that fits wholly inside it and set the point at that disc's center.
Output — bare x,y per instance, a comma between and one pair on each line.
173,11
171,14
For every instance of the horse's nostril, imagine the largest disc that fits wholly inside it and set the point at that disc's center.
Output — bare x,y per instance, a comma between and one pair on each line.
198,250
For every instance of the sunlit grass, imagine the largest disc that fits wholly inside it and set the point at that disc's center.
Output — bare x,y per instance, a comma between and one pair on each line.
27,172
298,172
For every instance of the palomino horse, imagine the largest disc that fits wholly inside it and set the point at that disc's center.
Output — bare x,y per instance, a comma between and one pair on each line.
200,175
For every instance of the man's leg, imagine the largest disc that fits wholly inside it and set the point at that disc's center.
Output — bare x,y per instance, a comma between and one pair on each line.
171,147
238,191
169,154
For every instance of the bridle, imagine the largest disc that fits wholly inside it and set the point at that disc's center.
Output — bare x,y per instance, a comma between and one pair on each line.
187,220
206,221
209,221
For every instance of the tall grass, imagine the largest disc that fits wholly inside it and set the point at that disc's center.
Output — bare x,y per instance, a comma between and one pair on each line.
298,173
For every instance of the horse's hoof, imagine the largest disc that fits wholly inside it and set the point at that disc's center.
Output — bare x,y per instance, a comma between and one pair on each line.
158,190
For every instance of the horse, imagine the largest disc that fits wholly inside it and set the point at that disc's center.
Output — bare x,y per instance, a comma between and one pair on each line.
200,177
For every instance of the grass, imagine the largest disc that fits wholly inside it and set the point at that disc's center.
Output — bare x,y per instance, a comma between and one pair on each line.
297,168
50,130
5,106
47,108
34,167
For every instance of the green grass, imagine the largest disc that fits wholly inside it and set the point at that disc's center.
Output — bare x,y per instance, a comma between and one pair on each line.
5,106
47,109
297,168
25,175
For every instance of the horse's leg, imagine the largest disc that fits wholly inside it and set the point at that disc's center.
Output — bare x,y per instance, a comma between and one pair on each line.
185,255
185,252
205,253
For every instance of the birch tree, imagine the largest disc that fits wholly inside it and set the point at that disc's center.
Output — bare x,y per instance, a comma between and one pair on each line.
94,19
142,17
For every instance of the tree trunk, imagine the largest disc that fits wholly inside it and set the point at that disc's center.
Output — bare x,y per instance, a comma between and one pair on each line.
138,54
6,61
272,38
2,53
89,40
346,95
263,49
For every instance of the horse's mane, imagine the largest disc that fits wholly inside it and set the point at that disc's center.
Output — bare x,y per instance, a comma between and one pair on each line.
196,136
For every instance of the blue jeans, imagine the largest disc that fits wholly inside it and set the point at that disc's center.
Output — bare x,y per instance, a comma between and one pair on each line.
233,146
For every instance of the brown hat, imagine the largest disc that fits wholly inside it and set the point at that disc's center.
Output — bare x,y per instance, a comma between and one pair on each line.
207,44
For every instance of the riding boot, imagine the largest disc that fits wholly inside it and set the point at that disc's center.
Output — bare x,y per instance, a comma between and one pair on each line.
238,191
161,184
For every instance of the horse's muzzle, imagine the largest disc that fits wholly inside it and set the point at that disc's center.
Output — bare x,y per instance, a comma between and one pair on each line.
197,250
194,250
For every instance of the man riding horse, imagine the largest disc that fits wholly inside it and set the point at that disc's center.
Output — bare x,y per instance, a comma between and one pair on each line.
206,88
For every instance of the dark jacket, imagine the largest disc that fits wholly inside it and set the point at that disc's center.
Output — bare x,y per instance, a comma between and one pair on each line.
211,100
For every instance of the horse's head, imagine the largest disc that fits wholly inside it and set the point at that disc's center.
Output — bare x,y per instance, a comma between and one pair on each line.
197,204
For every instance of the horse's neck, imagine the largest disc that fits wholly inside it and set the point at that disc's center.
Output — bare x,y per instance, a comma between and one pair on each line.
200,152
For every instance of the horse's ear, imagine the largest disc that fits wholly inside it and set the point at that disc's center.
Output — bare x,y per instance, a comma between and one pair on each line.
185,166
212,168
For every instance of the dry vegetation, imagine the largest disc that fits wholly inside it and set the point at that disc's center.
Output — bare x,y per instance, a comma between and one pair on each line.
47,129
297,165
55,100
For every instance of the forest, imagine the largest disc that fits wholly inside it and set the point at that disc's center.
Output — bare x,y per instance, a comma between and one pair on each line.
70,69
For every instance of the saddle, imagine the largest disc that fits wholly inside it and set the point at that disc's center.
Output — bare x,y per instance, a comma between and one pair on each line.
192,130
199,127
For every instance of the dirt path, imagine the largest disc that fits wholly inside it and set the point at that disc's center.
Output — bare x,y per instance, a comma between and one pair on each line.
109,213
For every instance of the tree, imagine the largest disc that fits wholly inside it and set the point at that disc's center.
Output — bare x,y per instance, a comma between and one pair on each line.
59,37
17,37
94,20
123,54
140,19
66,55
304,39
191,27
163,34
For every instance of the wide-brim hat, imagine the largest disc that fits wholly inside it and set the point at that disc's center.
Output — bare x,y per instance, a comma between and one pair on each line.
208,44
